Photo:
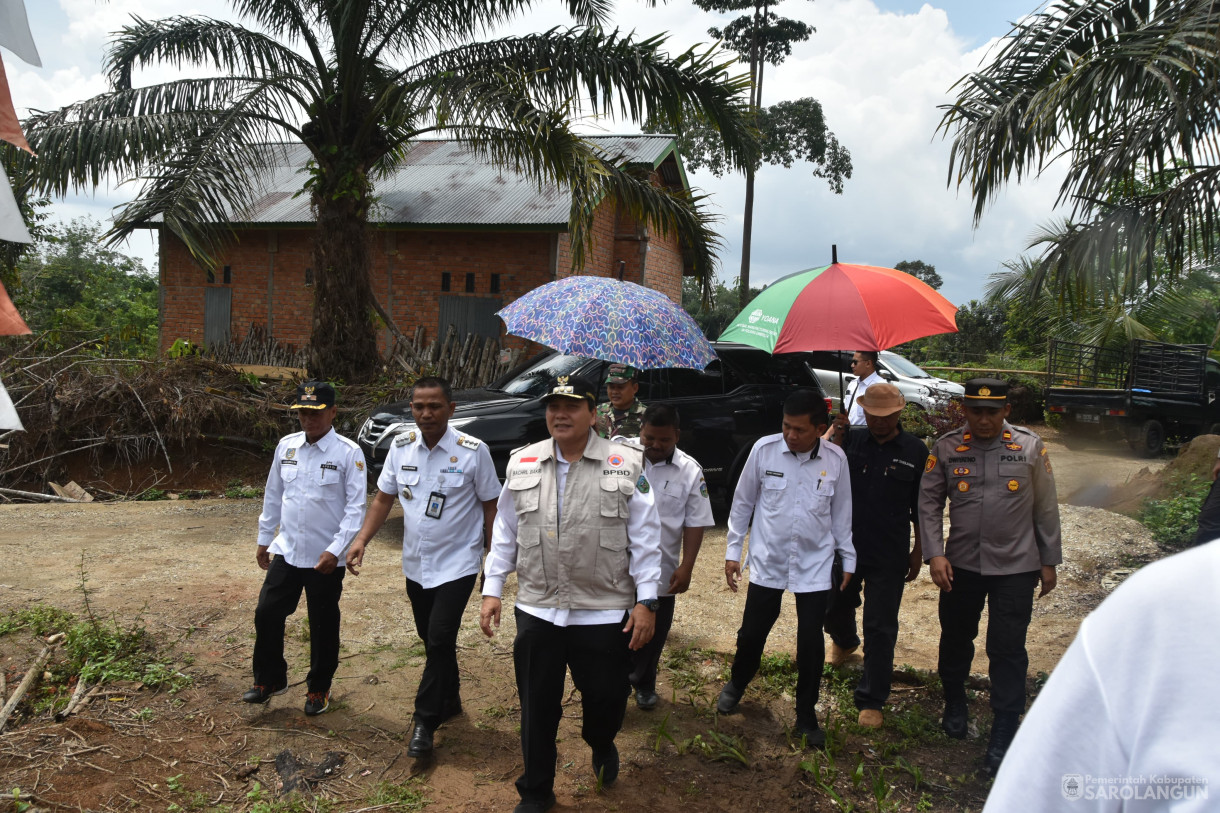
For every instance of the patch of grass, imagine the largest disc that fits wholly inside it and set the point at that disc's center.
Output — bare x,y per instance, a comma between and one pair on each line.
237,490
717,747
152,495
407,796
915,725
1174,521
777,675
41,620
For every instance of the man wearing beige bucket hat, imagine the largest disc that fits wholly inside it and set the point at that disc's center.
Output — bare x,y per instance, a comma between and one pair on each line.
886,463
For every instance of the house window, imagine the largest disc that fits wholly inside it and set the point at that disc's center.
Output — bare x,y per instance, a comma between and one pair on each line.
446,281
470,283
308,276
228,275
211,276
495,284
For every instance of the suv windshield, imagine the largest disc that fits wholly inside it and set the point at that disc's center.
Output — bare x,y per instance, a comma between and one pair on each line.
902,366
533,381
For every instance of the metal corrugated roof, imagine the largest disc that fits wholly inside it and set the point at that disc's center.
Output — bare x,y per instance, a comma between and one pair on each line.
441,183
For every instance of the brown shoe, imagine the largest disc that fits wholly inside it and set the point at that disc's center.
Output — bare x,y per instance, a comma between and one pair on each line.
870,718
838,655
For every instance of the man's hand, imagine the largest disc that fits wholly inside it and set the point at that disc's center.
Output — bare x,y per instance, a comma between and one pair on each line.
641,625
732,573
942,572
355,556
846,581
914,564
679,582
1048,577
327,563
489,615
262,557
837,431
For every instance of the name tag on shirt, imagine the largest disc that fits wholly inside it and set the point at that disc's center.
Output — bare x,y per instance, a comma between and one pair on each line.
774,473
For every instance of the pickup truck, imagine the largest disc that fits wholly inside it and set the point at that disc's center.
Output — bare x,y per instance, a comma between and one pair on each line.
723,409
1145,393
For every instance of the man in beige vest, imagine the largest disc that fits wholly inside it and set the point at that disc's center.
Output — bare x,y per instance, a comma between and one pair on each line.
578,523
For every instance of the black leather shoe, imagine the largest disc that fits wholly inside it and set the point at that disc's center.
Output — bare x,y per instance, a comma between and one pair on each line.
954,721
1003,729
536,806
730,696
261,694
421,742
646,699
813,735
605,765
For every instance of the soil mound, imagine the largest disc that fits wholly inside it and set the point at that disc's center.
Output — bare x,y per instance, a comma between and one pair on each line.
1195,459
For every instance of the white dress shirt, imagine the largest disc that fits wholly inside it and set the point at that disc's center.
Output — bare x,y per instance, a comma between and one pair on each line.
643,548
801,506
436,551
855,412
315,496
682,502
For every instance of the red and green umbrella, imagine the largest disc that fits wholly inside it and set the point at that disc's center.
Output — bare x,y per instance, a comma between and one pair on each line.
842,307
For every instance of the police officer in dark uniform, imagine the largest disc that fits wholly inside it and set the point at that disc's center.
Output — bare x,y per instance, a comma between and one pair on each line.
1003,540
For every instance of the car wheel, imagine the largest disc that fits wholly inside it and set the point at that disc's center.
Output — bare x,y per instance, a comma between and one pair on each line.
1148,440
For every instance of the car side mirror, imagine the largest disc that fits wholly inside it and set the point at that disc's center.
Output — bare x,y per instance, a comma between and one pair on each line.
887,375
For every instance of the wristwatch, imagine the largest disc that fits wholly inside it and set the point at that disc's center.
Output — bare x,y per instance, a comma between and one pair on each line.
649,603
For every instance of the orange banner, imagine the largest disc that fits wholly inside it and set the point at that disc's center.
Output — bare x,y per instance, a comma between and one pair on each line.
11,323
10,127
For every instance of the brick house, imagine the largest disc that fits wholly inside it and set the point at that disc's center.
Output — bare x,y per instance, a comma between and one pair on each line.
455,240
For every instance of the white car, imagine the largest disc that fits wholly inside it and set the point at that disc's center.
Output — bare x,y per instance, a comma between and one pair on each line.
918,386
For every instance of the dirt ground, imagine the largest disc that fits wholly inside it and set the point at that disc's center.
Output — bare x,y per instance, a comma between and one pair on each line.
186,569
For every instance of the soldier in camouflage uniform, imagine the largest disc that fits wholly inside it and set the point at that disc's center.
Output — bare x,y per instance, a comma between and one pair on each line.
623,415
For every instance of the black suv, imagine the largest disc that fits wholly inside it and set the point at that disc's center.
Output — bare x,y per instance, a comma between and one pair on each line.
723,409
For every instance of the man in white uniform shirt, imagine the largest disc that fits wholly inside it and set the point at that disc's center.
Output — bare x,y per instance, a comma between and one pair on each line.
578,523
682,502
864,366
315,497
447,485
798,490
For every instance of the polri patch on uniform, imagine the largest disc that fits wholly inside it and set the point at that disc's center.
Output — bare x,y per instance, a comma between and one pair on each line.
469,443
641,485
961,471
962,448
1007,436
1016,447
1046,461
931,464
1013,485
963,486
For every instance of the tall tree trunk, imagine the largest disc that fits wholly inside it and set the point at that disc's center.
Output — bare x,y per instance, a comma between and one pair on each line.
343,344
747,233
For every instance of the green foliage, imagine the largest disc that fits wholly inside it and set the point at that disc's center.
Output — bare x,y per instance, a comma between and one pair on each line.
722,309
921,271
1174,521
237,490
72,288
103,651
777,674
41,620
717,747
407,796
980,330
152,495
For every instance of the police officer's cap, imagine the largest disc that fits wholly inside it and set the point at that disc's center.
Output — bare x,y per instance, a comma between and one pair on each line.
314,395
986,392
570,386
621,373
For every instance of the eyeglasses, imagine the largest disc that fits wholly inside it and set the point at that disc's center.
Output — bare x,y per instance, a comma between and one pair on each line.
854,362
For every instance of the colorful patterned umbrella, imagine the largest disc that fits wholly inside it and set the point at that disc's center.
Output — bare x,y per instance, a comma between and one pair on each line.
842,307
610,320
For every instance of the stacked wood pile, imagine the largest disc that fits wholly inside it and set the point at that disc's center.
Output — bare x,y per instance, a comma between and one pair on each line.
469,361
257,347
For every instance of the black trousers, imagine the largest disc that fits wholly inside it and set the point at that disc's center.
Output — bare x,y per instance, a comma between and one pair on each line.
278,599
438,617
882,588
1010,603
597,654
1209,516
762,609
644,660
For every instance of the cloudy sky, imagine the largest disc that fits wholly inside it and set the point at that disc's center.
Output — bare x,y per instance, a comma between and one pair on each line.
880,68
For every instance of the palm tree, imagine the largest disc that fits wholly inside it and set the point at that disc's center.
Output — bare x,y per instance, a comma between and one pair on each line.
1118,91
358,82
